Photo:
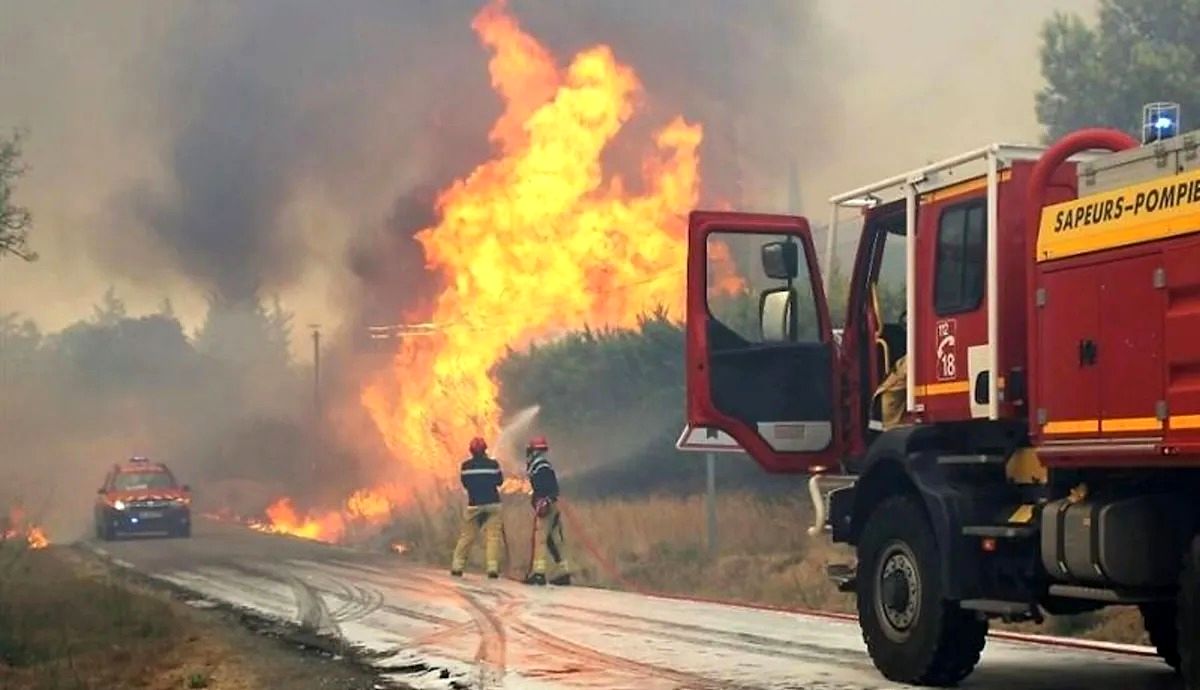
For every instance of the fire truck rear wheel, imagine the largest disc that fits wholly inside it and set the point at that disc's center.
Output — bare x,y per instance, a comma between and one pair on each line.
1189,618
912,633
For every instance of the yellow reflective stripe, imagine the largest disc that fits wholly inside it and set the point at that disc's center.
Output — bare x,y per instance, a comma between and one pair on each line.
948,388
1185,421
1117,424
1072,426
961,188
1131,424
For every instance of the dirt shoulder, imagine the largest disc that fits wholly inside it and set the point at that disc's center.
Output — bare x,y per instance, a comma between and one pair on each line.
67,620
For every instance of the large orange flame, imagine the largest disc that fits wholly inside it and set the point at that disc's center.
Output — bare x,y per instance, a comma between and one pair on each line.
535,241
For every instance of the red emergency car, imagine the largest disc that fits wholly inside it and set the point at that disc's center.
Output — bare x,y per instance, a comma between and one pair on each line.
142,497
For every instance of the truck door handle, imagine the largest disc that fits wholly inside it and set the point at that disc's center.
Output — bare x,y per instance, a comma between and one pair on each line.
1087,352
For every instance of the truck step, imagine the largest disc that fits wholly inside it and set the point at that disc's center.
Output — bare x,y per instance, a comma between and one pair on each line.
976,460
1000,531
843,577
1008,610
1111,596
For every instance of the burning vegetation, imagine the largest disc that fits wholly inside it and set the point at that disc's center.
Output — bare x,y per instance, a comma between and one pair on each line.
533,243
18,528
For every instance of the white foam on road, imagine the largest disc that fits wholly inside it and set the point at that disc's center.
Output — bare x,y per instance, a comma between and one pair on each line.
437,633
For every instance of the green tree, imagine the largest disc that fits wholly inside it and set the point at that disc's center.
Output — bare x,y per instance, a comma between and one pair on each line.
15,220
1138,52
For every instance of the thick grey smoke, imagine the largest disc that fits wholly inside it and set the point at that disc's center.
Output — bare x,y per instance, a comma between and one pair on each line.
294,147
275,100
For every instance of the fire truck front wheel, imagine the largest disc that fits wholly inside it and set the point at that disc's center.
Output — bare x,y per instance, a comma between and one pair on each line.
1189,618
912,633
1162,625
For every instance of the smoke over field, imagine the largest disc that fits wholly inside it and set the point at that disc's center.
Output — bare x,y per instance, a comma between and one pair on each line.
375,163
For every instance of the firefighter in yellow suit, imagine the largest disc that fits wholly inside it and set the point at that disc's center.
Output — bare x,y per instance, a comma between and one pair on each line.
548,527
481,477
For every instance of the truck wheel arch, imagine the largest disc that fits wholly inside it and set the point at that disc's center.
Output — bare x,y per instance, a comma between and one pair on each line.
906,463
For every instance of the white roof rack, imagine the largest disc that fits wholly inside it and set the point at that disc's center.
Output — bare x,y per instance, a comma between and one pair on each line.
986,161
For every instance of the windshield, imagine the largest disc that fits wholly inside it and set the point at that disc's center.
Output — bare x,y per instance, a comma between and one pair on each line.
134,481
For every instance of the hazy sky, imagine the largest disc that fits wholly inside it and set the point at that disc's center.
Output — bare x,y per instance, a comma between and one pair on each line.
123,105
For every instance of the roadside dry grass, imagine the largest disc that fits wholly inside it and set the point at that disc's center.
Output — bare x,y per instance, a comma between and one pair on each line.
764,554
68,622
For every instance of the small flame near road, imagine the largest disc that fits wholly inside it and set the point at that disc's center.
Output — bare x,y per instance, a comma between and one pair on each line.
19,528
36,538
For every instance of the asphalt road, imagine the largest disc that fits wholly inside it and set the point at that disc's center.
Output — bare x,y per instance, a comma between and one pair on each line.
428,630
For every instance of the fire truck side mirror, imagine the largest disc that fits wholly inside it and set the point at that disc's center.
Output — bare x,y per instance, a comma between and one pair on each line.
781,260
776,315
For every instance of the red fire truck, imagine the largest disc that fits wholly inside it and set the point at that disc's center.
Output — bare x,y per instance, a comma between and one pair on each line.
1011,412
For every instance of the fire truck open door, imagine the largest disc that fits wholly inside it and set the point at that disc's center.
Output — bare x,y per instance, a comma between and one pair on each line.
761,359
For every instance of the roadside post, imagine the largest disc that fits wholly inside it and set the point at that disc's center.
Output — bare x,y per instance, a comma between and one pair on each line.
710,442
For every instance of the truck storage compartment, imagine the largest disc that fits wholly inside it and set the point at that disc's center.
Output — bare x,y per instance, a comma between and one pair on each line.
1133,542
1101,334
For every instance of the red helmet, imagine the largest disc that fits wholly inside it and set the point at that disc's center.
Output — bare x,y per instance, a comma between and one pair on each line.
537,443
478,445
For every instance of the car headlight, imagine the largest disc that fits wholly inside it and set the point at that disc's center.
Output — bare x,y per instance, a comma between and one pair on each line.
119,504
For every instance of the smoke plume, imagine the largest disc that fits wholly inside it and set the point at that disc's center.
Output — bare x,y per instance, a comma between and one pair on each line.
223,154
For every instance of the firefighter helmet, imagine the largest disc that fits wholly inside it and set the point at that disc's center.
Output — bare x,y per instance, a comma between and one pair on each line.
537,443
478,445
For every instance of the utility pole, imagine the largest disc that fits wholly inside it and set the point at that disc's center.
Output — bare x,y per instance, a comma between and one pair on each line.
316,338
317,426
710,504
793,187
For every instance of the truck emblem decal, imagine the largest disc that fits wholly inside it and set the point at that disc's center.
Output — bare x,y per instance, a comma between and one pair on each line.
947,365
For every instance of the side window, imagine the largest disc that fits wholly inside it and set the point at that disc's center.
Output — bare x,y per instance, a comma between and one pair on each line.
961,258
751,308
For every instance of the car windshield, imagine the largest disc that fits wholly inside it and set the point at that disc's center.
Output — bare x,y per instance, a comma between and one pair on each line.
133,481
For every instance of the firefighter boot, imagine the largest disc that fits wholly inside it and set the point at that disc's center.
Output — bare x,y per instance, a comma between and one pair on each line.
536,579
562,580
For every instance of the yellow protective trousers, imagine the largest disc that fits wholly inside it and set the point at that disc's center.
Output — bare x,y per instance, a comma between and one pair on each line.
480,518
549,541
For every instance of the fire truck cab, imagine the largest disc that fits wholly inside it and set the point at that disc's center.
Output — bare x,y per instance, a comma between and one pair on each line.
1011,413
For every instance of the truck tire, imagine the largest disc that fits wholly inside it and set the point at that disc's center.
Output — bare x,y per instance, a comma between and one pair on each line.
912,633
1189,618
1162,626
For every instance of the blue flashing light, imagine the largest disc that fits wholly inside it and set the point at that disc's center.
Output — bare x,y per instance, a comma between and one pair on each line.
1159,121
